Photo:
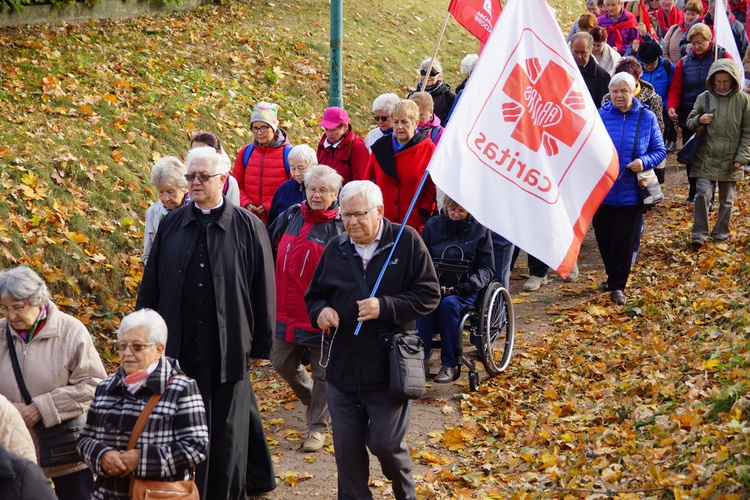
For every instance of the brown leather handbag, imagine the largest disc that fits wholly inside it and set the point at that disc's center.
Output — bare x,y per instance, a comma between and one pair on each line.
149,489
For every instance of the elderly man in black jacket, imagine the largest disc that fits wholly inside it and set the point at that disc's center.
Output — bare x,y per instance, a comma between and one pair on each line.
363,412
210,274
596,78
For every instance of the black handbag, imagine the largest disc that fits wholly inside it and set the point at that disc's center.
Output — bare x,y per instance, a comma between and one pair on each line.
57,444
650,194
451,272
689,151
406,378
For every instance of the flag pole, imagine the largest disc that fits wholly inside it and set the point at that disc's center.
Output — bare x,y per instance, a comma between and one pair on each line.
395,242
434,54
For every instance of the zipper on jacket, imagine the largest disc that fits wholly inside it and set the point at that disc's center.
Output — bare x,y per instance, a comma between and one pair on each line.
286,255
304,262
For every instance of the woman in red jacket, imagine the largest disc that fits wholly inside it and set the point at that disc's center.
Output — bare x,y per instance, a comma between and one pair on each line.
260,173
340,148
397,164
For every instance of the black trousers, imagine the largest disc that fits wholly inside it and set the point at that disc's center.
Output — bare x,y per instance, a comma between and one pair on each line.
616,230
236,436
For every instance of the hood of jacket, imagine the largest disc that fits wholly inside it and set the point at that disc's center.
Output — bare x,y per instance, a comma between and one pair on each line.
277,142
727,66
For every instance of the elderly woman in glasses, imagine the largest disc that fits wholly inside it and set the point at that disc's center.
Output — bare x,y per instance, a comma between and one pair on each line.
381,113
168,176
397,165
442,95
58,363
301,234
175,437
262,166
292,191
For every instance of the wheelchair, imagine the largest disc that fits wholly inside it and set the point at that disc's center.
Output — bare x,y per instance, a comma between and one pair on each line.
491,332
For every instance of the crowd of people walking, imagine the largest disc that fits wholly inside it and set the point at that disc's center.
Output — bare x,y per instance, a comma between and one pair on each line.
274,256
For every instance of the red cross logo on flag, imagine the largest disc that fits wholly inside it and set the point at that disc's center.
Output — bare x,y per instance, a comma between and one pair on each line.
542,107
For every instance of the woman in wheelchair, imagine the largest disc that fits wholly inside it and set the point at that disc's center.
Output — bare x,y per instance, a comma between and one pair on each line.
461,249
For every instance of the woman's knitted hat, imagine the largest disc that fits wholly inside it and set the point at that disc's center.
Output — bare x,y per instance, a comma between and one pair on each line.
267,113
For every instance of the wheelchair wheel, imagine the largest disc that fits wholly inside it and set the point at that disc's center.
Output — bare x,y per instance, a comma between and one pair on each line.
496,329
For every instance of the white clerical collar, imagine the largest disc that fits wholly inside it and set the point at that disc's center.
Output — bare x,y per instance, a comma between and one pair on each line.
327,144
206,212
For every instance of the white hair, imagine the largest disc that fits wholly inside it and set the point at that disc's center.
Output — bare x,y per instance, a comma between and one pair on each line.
623,77
152,320
368,189
468,63
385,102
21,284
169,172
325,174
304,152
435,64
208,153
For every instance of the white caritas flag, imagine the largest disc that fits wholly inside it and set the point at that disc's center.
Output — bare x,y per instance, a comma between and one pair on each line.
723,36
525,151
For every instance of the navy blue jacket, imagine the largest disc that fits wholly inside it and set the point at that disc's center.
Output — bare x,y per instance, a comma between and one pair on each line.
289,193
650,148
660,79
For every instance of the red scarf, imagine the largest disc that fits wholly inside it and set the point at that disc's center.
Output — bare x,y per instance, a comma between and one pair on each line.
666,21
628,22
737,6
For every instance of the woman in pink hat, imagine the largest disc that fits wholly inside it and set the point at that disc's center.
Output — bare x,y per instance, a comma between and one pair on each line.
340,148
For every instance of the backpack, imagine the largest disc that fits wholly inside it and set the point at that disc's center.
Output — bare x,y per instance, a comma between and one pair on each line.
249,150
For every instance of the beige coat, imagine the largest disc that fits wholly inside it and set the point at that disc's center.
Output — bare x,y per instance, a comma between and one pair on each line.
61,369
14,436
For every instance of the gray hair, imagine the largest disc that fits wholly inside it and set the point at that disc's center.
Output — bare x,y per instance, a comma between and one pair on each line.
21,284
152,320
435,64
468,63
590,3
210,154
368,189
584,35
303,152
385,102
622,77
169,172
325,174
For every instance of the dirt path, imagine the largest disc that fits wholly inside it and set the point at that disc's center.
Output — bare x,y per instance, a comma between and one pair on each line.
314,474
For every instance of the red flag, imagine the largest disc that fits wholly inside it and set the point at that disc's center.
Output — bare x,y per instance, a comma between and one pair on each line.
646,19
477,16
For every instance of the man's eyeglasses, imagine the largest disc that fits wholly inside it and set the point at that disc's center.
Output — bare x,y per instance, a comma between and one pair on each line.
260,130
201,177
322,192
15,310
432,72
134,347
380,118
355,215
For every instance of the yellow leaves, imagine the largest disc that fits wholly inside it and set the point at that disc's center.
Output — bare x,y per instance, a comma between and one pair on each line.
110,98
710,364
51,86
117,156
454,438
76,237
431,458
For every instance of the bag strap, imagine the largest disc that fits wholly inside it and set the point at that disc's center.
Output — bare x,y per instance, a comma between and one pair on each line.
17,366
141,422
356,269
637,130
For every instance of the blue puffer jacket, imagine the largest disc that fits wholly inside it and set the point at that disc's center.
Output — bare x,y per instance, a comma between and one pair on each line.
660,79
650,148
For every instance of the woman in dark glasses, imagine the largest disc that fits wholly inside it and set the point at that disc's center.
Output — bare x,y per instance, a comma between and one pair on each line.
441,92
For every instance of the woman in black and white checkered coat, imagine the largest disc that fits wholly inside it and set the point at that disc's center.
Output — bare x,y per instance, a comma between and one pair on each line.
175,438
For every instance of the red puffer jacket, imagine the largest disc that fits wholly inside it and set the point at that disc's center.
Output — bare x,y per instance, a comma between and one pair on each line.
349,158
301,235
398,176
264,173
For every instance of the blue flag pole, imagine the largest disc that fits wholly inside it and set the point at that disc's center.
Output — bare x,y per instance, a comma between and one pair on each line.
395,243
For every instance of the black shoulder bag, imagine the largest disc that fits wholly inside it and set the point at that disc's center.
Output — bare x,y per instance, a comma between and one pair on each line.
689,151
57,444
405,349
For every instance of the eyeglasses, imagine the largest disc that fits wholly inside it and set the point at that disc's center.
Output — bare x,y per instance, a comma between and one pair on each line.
432,72
260,130
380,118
322,192
15,310
201,177
355,215
134,347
